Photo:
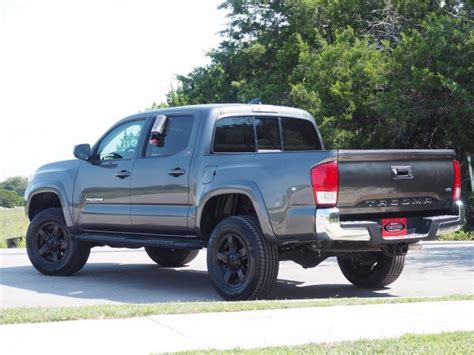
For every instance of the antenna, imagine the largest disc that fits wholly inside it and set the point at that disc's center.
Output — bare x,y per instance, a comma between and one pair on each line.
256,101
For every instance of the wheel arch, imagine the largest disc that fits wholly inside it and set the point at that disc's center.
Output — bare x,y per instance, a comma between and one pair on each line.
45,197
249,192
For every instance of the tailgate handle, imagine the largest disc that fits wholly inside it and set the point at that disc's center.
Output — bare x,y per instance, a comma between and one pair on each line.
401,172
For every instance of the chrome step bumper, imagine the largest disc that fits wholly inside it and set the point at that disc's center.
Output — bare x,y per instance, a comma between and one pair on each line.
329,227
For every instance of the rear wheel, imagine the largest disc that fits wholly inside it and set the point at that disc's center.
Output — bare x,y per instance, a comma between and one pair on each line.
168,257
371,270
51,246
241,262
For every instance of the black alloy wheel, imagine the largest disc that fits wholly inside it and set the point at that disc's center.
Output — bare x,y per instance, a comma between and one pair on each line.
233,260
52,247
170,257
241,262
51,242
371,270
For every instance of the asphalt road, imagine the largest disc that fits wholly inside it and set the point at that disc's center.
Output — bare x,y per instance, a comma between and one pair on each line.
129,276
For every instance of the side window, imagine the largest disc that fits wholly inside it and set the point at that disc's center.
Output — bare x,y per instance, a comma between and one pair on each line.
121,143
175,139
234,134
299,134
268,133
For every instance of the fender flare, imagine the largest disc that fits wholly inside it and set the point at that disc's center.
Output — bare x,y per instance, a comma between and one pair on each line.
247,188
58,189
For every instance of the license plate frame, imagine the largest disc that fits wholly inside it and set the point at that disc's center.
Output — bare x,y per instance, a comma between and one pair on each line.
394,227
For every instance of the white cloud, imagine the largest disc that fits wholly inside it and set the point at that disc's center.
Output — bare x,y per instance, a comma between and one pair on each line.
70,69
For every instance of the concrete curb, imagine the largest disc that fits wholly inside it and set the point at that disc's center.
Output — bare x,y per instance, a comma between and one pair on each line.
448,242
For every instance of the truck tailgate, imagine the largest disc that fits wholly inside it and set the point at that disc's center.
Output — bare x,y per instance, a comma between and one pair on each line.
379,181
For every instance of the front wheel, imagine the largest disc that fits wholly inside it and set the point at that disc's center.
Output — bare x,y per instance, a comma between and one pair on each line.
51,247
242,264
371,270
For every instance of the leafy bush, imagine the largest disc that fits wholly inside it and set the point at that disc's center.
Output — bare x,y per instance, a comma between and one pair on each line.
15,183
461,235
10,198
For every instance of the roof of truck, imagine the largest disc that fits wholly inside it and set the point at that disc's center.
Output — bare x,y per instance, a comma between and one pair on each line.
235,108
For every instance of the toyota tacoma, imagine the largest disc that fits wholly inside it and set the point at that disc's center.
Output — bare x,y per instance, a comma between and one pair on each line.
254,185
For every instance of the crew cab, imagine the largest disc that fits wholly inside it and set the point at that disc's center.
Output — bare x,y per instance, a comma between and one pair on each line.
254,185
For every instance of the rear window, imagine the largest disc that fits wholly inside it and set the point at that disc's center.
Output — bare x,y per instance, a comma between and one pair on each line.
176,138
237,134
299,135
234,134
268,133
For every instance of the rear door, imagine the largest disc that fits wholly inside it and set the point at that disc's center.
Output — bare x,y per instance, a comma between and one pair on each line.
395,181
160,179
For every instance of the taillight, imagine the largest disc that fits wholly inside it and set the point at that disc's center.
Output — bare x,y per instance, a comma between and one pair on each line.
457,181
325,181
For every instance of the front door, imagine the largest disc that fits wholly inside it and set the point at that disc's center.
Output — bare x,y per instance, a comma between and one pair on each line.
102,188
160,180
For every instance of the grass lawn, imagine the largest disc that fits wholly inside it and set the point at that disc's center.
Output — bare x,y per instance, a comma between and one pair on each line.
443,343
39,314
13,223
461,235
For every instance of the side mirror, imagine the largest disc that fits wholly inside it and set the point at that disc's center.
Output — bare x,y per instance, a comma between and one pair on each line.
82,151
158,131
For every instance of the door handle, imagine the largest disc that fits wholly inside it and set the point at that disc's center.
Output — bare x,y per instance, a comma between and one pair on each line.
177,172
122,174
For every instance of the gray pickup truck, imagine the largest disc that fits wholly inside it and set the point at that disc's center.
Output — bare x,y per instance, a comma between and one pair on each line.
251,183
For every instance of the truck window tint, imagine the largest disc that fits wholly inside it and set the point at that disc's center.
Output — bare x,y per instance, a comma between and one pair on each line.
121,142
268,133
175,137
299,134
234,134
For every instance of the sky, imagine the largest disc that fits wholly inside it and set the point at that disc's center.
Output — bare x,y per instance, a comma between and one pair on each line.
71,69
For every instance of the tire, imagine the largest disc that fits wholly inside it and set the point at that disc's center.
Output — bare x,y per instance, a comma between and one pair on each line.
371,270
51,246
171,257
242,264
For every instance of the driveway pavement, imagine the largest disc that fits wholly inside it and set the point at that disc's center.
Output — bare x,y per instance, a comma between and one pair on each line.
129,276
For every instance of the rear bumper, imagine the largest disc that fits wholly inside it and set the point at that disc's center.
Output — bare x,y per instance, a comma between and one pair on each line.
329,227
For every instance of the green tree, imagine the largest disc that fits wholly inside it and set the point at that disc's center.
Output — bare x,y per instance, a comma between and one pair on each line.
16,183
431,74
375,74
129,140
340,84
9,198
